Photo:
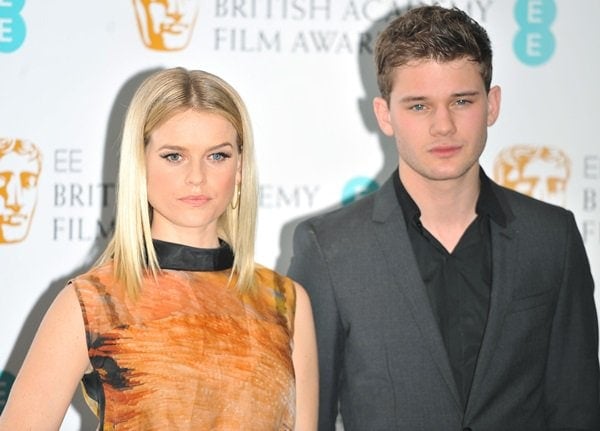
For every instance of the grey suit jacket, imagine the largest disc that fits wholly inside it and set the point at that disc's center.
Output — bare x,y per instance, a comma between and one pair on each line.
381,354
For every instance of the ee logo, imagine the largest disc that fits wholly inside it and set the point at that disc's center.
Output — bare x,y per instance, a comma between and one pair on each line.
534,43
12,25
358,187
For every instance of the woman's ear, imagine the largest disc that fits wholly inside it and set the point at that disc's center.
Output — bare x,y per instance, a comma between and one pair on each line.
238,170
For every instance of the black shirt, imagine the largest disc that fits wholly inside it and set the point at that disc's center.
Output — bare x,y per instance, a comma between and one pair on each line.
458,283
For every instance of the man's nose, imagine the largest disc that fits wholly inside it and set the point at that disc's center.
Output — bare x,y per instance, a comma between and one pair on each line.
442,122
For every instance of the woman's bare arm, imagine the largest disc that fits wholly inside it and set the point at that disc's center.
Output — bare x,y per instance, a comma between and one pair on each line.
53,367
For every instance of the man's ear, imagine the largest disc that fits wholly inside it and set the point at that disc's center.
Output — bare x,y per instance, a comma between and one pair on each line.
494,96
382,113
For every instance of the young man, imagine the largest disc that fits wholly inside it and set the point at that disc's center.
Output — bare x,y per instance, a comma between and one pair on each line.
444,301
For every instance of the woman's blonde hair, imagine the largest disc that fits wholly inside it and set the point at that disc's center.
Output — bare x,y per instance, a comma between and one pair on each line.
159,97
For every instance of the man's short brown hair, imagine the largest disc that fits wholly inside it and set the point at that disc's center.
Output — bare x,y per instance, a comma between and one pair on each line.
431,33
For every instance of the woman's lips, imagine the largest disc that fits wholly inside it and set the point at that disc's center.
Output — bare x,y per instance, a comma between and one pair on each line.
195,200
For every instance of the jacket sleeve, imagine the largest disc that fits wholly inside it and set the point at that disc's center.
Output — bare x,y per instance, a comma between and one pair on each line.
309,267
572,372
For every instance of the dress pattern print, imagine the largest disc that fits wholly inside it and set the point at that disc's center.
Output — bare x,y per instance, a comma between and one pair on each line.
190,353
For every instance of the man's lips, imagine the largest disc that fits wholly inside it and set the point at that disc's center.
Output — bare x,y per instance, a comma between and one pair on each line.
445,150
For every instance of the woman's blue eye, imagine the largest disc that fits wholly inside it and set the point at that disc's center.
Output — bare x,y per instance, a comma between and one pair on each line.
219,156
172,157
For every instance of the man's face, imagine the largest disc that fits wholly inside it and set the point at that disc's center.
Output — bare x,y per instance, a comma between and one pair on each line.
438,114
166,25
18,195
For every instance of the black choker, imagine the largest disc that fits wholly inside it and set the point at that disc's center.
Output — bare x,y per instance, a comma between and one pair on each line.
186,258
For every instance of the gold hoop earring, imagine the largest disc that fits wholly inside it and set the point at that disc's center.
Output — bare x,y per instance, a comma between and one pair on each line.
236,195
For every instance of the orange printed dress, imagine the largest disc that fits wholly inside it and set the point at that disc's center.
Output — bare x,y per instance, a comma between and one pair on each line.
190,353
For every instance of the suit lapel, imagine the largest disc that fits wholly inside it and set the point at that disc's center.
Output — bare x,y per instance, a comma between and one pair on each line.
390,229
504,273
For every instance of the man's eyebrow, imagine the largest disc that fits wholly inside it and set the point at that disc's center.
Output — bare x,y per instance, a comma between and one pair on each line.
408,99
466,93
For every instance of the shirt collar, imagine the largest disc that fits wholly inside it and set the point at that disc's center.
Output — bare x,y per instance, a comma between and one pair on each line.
487,202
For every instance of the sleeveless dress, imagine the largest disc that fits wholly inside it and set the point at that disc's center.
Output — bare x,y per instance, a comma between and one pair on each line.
190,353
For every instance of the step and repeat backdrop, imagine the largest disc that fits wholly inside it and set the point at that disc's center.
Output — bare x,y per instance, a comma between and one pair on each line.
68,70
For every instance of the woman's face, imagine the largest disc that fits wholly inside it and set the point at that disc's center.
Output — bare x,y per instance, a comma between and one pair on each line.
193,165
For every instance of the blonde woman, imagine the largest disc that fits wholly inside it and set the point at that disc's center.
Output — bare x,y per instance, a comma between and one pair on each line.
176,327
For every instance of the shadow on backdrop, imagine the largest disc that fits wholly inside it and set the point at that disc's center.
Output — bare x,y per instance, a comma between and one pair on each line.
366,70
105,218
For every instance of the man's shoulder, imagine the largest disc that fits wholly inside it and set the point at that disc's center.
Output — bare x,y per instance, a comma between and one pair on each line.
347,217
526,208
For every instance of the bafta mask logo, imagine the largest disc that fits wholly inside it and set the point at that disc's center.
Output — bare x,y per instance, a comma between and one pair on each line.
20,167
166,25
539,172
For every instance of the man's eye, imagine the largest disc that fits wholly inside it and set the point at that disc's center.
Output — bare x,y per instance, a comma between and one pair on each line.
418,107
